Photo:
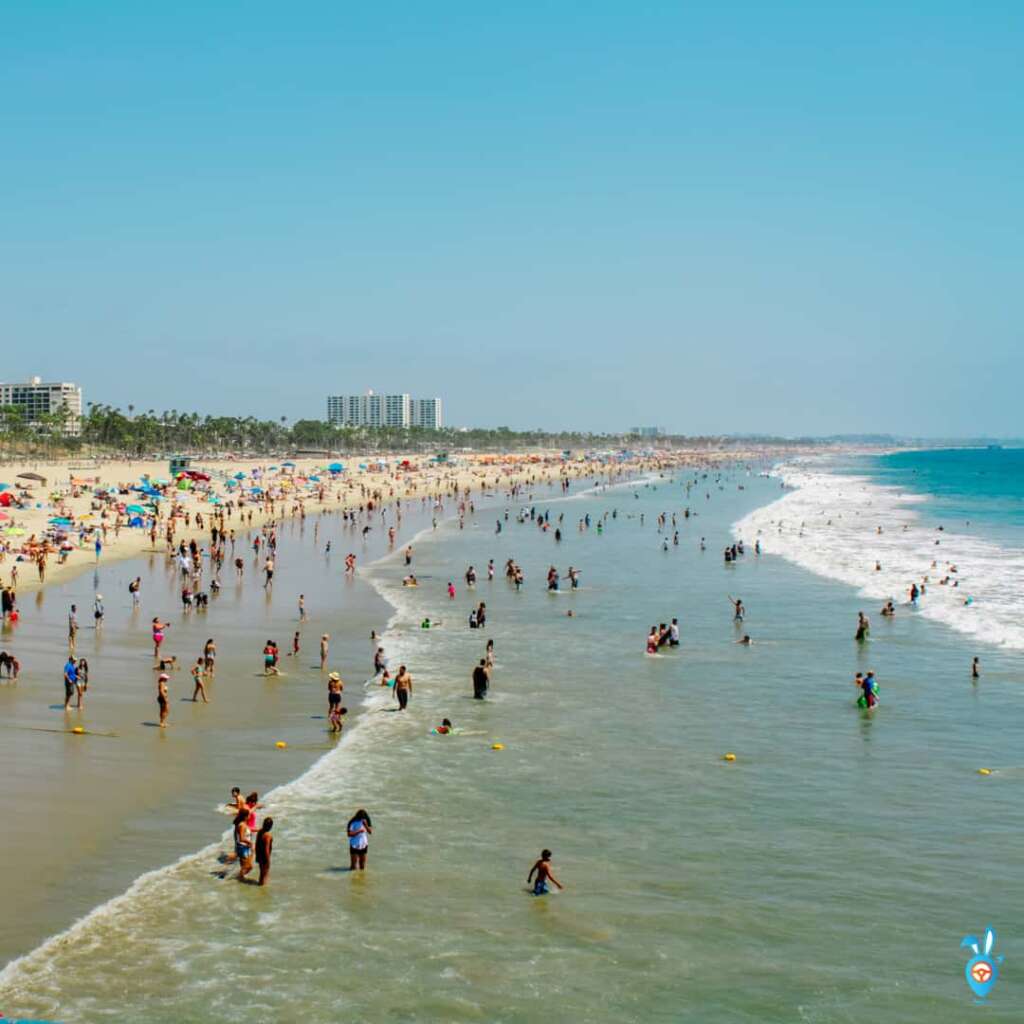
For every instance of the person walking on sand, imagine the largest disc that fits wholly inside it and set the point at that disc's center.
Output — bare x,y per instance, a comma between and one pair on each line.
403,687
325,645
359,831
542,869
197,678
264,847
161,698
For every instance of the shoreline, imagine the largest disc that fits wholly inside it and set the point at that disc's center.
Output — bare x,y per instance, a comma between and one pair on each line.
153,564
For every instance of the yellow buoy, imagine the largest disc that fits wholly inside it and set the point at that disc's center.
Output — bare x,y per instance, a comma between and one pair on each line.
729,757
78,730
497,746
280,744
984,771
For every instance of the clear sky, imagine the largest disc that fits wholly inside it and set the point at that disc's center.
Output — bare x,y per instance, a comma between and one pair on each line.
713,217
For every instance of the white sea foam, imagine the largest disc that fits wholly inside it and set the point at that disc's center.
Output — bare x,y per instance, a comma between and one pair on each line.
828,523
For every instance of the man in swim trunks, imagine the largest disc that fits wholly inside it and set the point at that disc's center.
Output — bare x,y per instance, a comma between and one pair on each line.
542,869
403,687
71,683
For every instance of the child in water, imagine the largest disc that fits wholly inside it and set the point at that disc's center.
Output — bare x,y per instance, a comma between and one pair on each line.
334,716
542,869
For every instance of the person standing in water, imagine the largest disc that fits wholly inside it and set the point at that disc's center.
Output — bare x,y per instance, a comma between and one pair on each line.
481,680
863,627
197,679
403,687
264,846
976,668
542,870
738,610
359,830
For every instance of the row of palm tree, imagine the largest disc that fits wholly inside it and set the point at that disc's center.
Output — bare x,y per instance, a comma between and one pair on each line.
106,429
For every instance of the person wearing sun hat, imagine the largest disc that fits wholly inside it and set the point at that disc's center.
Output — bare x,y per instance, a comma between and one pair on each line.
334,688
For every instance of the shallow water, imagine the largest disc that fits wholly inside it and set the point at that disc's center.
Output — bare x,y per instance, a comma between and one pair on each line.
827,875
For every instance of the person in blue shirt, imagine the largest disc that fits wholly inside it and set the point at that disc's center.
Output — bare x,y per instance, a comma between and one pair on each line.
71,686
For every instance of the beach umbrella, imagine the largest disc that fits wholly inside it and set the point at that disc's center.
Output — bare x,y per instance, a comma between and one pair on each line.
316,478
14,531
136,508
335,467
270,469
59,521
4,517
239,476
287,463
5,487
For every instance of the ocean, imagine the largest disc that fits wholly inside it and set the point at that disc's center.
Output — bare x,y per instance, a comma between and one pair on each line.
827,874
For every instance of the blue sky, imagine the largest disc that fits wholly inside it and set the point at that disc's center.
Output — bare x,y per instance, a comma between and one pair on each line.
718,217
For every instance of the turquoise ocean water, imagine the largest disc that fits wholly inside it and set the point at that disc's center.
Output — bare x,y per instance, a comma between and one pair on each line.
826,875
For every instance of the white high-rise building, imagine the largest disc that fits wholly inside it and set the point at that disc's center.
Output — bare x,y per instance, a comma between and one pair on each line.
37,398
369,410
426,413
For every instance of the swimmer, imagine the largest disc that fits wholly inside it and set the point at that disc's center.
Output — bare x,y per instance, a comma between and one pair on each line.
445,728
542,869
976,668
745,640
888,610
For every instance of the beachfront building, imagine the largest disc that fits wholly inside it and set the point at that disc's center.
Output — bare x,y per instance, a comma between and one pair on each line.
36,399
647,431
426,413
373,410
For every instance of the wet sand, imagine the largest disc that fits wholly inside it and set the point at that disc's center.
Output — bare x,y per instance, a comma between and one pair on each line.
85,815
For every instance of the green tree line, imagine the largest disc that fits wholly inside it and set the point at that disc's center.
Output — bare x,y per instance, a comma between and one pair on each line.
106,429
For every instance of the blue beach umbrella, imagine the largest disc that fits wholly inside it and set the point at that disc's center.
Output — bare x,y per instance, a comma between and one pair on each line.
287,463
5,487
239,476
316,478
335,467
135,508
